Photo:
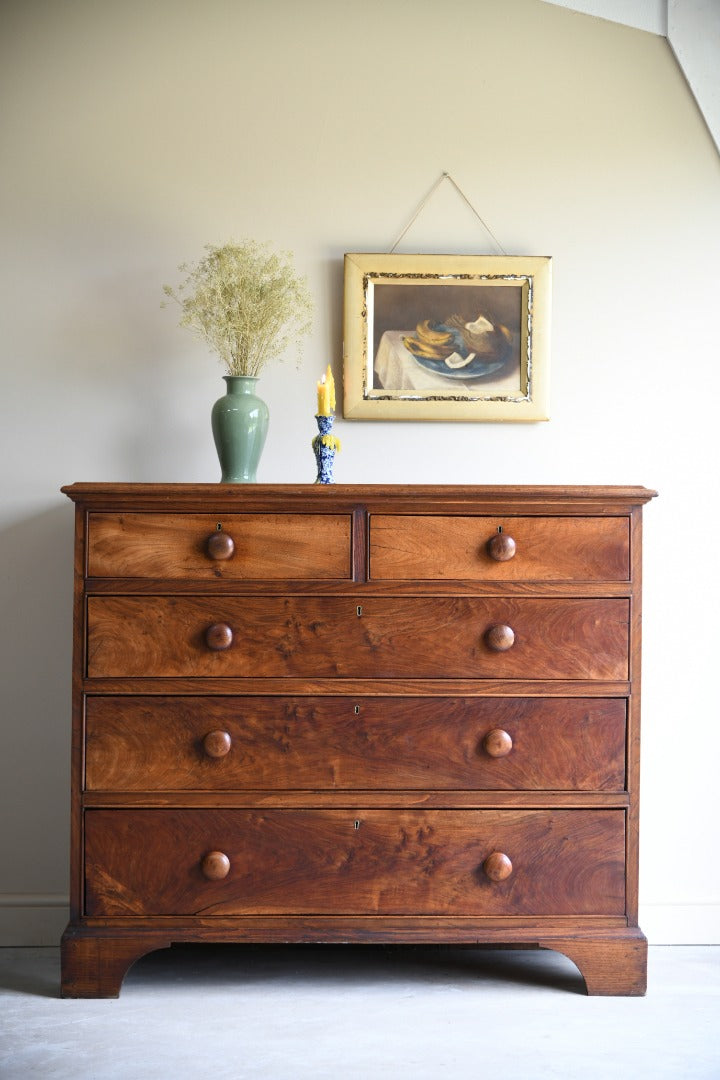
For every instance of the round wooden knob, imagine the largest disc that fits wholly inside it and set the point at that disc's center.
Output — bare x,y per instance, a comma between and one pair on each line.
497,866
220,545
500,638
219,636
501,547
215,865
497,743
216,744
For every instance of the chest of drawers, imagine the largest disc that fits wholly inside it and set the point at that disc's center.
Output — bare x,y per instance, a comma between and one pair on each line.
355,714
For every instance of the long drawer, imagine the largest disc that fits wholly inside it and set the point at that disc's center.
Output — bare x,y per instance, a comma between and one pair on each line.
424,547
231,546
322,637
157,743
354,861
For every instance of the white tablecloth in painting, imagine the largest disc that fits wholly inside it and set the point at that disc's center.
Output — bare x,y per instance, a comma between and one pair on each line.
398,370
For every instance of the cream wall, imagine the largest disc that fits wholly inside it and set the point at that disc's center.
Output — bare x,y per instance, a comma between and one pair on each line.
133,133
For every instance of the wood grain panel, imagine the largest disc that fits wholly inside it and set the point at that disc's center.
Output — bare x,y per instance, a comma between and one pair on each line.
308,636
547,548
148,862
267,546
338,743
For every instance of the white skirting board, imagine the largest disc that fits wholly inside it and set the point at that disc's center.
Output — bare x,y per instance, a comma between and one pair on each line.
38,919
32,918
680,924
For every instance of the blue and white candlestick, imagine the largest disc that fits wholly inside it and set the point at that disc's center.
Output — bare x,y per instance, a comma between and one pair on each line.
325,445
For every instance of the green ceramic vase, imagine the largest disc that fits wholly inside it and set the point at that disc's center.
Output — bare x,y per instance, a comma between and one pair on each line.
239,424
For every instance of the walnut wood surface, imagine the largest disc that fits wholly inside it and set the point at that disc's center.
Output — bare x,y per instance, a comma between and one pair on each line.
335,743
609,966
95,958
308,636
149,862
571,500
385,687
218,637
265,546
501,546
373,799
546,549
215,866
352,797
497,866
220,545
500,638
94,965
216,744
498,743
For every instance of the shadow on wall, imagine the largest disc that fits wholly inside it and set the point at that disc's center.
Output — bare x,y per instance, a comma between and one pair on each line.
36,556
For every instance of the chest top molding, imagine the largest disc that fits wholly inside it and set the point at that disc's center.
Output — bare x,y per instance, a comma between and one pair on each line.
417,498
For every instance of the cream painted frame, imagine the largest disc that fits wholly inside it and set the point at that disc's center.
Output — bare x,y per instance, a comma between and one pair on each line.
364,272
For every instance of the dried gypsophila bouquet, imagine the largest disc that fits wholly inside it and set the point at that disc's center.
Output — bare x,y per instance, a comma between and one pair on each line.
248,304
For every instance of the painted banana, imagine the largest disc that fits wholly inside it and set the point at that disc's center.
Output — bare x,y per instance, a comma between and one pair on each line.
432,337
420,348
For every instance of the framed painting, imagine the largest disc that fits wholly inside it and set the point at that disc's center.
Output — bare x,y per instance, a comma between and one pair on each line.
446,337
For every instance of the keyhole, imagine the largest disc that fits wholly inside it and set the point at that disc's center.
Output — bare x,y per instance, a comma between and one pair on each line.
499,528
219,526
359,610
357,710
357,825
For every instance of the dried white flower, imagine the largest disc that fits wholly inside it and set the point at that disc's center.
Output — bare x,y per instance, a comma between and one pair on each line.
246,302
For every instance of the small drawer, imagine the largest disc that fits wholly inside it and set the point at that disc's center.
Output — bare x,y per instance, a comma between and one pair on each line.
234,546
342,743
382,637
409,547
209,862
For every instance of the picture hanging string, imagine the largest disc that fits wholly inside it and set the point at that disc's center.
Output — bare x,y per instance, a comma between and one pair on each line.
461,193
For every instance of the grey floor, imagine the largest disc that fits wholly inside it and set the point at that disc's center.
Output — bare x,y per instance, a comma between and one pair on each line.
311,1013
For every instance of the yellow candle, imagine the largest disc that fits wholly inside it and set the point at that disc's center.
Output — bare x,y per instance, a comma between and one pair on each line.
331,389
321,397
326,394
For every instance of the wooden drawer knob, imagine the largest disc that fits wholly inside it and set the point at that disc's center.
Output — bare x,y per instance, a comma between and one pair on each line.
497,866
220,545
216,744
500,638
501,547
497,743
215,865
219,636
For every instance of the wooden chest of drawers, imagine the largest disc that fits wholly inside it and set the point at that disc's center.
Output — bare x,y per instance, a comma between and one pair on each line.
355,714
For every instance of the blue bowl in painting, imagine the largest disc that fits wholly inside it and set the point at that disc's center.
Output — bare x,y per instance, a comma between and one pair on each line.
487,362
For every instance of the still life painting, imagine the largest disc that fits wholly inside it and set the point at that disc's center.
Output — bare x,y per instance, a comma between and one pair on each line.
446,337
